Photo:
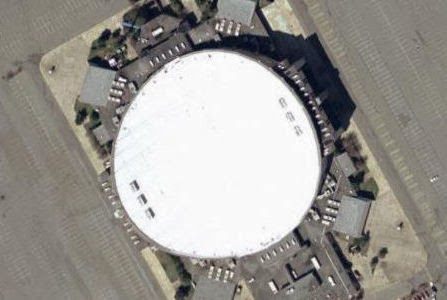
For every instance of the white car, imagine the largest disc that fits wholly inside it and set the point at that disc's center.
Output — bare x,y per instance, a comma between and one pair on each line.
434,178
331,280
227,273
230,27
333,203
290,290
329,218
238,29
210,272
331,210
325,222
219,272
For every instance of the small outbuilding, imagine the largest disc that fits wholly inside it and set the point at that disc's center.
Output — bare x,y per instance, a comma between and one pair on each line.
158,29
97,85
207,289
345,164
102,135
352,215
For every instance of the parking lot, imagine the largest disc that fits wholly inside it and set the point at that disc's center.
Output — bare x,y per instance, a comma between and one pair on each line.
396,81
57,238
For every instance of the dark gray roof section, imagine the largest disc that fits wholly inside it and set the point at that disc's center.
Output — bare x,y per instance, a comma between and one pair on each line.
208,289
203,33
154,58
307,282
97,84
158,29
352,214
102,135
345,163
239,11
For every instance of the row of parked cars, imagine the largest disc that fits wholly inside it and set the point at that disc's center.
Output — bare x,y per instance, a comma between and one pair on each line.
218,273
283,246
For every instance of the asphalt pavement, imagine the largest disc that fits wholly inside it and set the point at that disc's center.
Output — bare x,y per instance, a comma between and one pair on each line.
392,58
57,238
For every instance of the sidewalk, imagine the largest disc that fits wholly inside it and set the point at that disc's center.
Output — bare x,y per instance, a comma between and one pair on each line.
159,273
406,256
66,82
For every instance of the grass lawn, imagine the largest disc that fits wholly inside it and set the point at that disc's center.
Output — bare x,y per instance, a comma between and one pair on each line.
169,264
370,186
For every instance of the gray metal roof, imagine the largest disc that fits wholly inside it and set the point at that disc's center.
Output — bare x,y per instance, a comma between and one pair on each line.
240,11
97,84
352,214
102,135
208,289
345,163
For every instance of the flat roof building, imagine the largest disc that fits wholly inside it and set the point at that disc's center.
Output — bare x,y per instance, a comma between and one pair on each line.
216,156
352,215
203,33
344,162
102,135
158,29
97,85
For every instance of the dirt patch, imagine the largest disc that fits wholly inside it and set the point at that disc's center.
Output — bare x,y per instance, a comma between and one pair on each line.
405,256
70,62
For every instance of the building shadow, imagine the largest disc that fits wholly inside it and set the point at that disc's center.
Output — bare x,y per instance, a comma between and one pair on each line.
324,77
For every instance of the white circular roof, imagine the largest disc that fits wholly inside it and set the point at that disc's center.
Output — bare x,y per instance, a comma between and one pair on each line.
224,153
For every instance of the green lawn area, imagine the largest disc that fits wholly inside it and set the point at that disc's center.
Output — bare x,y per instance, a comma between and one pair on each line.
370,186
169,264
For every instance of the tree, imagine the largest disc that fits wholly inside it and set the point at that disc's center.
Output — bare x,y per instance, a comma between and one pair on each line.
116,33
383,252
94,115
105,35
80,116
373,264
182,292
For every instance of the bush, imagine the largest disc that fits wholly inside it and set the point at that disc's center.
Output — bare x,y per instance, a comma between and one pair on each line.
94,116
373,264
176,6
105,35
383,252
182,292
116,33
81,116
370,186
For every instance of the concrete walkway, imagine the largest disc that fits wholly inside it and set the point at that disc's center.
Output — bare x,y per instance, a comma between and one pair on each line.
66,82
159,273
406,255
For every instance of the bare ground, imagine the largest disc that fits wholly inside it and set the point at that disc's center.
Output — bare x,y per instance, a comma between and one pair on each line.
406,256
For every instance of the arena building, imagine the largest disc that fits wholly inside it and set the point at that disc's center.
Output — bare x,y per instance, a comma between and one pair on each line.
216,156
